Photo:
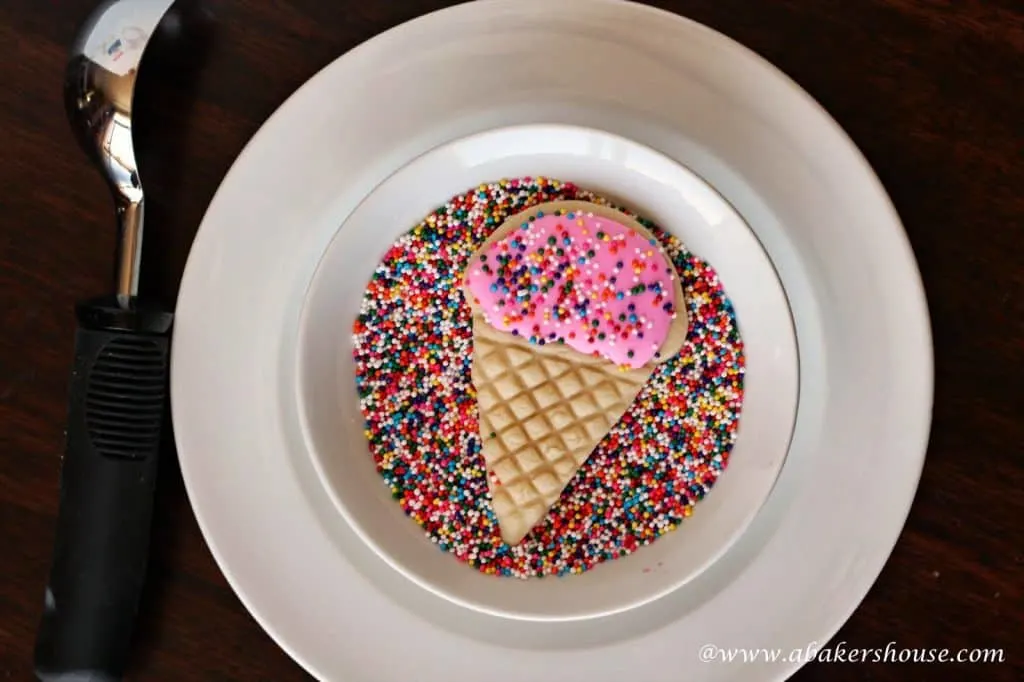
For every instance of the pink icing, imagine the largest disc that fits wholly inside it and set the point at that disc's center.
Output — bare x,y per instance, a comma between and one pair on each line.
580,279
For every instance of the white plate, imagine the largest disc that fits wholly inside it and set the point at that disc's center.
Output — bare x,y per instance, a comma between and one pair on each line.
858,307
660,190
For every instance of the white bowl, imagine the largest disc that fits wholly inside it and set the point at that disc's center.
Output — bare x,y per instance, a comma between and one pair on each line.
837,508
657,188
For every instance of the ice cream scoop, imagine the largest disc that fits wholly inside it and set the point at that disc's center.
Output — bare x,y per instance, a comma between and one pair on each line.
118,383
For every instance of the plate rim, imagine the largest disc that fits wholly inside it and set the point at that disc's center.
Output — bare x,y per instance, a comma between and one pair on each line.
916,297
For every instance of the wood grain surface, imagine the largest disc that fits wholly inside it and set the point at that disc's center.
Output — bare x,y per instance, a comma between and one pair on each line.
931,90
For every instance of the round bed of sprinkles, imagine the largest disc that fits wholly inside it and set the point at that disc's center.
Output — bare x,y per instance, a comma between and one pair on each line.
413,350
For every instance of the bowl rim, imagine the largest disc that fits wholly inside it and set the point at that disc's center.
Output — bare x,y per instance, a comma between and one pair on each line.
352,516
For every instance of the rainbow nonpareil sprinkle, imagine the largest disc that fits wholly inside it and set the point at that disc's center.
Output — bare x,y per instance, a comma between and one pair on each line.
413,350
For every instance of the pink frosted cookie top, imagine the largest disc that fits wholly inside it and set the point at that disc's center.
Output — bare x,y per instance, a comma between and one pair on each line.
585,280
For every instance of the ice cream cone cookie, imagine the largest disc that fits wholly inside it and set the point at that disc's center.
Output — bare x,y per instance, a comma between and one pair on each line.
574,306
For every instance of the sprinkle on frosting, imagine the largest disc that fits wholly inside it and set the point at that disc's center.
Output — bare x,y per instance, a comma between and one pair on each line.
413,353
575,278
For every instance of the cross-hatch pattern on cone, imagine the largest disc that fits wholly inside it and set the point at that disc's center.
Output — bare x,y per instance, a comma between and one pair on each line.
543,410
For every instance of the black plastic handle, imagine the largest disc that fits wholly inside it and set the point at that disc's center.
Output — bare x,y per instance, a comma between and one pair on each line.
117,400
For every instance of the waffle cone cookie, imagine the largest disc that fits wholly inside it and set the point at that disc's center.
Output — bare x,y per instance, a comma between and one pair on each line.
574,306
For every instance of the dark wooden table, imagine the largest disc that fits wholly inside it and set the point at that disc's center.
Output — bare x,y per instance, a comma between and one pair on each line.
931,90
